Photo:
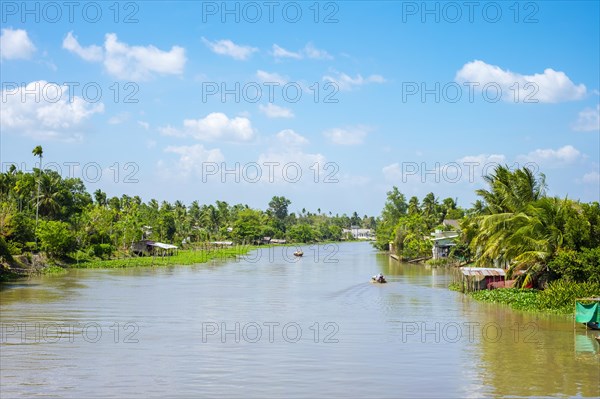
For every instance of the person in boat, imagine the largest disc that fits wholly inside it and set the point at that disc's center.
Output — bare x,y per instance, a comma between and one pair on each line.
379,278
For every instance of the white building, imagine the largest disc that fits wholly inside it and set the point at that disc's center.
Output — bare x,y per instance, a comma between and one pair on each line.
359,234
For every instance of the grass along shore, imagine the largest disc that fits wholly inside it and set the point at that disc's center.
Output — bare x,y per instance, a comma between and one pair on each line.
50,267
558,298
182,257
23,266
195,256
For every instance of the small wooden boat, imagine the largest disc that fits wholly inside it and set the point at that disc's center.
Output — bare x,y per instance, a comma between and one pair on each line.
298,253
378,281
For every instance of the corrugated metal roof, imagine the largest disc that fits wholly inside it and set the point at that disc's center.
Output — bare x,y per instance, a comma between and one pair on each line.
163,245
482,271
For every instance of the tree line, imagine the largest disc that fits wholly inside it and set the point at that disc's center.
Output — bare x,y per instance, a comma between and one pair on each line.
42,211
513,224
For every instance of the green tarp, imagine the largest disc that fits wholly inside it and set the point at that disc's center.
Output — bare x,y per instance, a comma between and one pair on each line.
586,313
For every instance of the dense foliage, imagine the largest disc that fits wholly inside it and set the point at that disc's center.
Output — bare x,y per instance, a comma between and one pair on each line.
408,224
43,211
559,297
514,225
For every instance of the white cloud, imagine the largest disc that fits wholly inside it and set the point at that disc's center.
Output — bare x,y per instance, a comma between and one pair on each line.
348,136
270,77
563,155
15,44
55,114
190,160
215,126
91,53
275,111
138,62
312,52
309,51
130,62
280,52
588,120
288,137
592,177
143,124
552,86
346,82
118,119
392,172
289,162
230,49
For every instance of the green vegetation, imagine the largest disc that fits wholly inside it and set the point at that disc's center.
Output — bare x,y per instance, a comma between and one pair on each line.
514,225
521,299
550,243
41,211
53,271
455,287
518,226
183,257
559,297
407,224
560,294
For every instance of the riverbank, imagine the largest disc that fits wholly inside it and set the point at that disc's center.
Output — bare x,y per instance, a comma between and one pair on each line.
22,267
558,298
182,257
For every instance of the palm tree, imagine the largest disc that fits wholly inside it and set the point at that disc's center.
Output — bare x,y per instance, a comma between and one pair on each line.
413,206
100,197
48,198
517,226
537,241
38,152
512,191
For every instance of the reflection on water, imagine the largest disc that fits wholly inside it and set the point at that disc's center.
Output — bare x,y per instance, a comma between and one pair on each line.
585,342
273,326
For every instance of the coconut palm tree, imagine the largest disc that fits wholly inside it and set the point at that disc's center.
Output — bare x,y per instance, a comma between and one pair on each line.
100,197
512,191
518,226
538,240
48,198
38,152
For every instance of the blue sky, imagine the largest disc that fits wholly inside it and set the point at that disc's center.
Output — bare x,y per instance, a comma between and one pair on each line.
379,84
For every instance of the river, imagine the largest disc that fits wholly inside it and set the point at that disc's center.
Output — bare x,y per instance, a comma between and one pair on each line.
270,325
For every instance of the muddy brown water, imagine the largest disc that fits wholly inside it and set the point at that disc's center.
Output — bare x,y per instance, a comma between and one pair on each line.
270,325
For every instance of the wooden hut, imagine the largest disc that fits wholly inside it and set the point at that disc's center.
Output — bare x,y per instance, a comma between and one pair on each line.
152,248
481,278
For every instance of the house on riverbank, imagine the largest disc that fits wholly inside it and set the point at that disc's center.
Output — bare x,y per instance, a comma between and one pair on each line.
359,234
443,241
481,278
152,248
269,240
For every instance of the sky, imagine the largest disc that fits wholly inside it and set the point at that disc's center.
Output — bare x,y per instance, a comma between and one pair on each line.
329,104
